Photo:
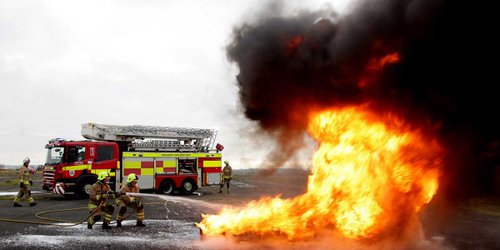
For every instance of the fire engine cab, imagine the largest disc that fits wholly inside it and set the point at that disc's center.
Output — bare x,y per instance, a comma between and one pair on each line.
165,159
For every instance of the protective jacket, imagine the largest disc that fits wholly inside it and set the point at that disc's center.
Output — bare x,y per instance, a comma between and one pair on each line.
124,197
24,175
100,192
227,172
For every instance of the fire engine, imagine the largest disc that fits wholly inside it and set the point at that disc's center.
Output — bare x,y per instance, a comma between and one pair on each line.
165,159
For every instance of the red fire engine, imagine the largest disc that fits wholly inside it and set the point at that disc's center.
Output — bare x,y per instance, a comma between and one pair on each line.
165,159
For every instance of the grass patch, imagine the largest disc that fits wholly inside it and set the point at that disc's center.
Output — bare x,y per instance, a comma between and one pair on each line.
7,197
9,183
9,172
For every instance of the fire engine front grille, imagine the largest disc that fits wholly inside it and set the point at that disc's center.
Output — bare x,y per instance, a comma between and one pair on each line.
48,179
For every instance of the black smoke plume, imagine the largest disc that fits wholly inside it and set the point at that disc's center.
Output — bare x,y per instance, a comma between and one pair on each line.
445,77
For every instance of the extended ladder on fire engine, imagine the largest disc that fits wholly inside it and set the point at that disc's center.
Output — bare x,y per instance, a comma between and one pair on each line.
153,138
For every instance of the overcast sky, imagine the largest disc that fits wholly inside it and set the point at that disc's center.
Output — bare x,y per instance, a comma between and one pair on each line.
163,63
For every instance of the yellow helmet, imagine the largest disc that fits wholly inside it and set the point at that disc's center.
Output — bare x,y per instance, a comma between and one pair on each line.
132,177
226,162
102,175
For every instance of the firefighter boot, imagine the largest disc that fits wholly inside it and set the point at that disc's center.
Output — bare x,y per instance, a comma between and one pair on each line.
17,205
228,190
32,204
118,223
140,224
105,225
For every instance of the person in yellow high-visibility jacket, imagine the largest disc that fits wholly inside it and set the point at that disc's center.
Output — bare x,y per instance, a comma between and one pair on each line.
225,176
25,184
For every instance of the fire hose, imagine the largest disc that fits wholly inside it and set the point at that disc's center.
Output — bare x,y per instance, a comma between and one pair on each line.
39,215
55,211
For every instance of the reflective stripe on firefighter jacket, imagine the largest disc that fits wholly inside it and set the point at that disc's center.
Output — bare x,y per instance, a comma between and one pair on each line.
24,175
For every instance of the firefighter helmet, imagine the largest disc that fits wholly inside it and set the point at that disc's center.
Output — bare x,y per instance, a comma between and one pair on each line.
226,162
102,175
132,177
26,160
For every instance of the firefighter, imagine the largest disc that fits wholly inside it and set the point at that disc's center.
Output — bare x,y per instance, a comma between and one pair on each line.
125,200
99,195
226,176
134,202
25,184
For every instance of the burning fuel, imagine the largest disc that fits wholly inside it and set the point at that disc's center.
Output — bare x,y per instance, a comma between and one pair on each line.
370,175
393,94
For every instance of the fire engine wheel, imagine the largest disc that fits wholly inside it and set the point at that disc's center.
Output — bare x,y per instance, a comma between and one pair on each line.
87,188
167,187
188,186
84,185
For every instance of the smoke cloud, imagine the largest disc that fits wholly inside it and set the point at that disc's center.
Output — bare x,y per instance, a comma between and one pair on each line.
441,78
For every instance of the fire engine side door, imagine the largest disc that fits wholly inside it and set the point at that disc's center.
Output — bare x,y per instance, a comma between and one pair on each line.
106,159
75,161
143,167
212,168
166,166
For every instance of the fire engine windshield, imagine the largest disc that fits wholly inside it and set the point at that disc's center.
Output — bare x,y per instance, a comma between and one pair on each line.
54,155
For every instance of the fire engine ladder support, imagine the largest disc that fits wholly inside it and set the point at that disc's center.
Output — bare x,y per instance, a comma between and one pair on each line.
211,140
205,138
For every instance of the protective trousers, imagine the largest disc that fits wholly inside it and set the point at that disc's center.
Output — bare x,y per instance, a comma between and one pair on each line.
225,181
108,214
24,191
139,208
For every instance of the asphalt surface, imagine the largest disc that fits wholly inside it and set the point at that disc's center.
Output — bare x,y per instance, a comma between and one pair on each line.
171,222
169,225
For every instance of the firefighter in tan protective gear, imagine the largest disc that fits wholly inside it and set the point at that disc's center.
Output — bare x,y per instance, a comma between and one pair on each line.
225,176
25,184
128,200
99,195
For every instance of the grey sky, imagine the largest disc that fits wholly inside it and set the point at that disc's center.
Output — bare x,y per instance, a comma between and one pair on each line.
64,63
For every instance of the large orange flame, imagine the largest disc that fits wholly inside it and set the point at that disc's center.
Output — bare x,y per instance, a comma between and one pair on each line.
370,174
